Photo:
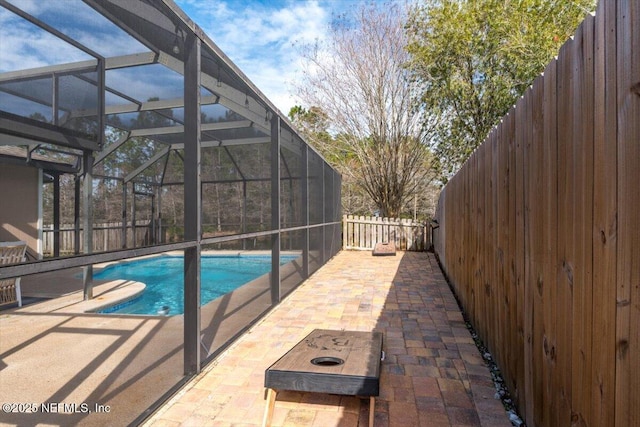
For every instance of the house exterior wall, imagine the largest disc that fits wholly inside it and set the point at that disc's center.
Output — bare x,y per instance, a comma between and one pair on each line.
19,204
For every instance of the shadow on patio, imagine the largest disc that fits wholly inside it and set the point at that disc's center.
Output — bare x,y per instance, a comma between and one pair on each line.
433,374
75,368
76,363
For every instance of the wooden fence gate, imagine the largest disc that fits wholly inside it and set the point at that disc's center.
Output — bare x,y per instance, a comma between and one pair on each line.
362,233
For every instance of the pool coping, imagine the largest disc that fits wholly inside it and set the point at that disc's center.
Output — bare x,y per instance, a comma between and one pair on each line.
229,253
109,294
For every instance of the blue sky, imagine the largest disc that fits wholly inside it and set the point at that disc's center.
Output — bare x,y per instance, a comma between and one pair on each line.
259,36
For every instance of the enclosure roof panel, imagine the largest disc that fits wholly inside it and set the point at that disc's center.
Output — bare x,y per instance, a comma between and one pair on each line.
85,25
108,76
22,152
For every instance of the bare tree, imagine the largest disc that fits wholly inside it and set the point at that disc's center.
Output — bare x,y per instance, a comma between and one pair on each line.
358,80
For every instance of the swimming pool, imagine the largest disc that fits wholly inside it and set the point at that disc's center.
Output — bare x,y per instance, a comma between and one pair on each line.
164,277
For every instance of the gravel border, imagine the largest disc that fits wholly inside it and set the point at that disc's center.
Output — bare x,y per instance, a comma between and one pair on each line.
502,392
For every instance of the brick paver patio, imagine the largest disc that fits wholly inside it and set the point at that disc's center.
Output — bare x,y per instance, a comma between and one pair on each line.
433,374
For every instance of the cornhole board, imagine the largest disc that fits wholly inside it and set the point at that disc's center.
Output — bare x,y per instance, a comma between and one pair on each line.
384,249
328,361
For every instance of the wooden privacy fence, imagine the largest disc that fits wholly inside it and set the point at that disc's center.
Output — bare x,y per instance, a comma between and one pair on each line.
106,237
362,233
109,236
540,232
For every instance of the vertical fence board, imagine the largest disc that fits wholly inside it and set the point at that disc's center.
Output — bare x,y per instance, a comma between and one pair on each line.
345,231
604,216
498,295
628,265
566,213
491,238
519,245
528,295
482,256
535,232
502,192
441,239
474,216
374,232
582,155
511,262
482,279
474,209
549,233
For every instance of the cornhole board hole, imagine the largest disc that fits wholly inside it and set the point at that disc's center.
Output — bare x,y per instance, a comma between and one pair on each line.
327,361
384,249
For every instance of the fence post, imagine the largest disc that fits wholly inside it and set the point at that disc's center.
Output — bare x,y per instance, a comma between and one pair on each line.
344,232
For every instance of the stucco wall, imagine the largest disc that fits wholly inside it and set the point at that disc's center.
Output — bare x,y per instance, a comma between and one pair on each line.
19,204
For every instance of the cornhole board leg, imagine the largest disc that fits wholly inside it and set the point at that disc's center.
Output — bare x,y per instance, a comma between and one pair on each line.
372,410
268,410
271,403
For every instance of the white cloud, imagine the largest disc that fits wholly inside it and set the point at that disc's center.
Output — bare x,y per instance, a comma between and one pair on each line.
259,38
24,45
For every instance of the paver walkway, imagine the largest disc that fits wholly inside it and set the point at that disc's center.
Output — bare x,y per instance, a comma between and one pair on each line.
432,375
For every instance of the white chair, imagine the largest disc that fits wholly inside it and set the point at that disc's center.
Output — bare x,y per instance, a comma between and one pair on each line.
11,253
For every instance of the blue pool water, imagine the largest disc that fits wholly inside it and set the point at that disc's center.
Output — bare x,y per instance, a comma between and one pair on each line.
164,277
